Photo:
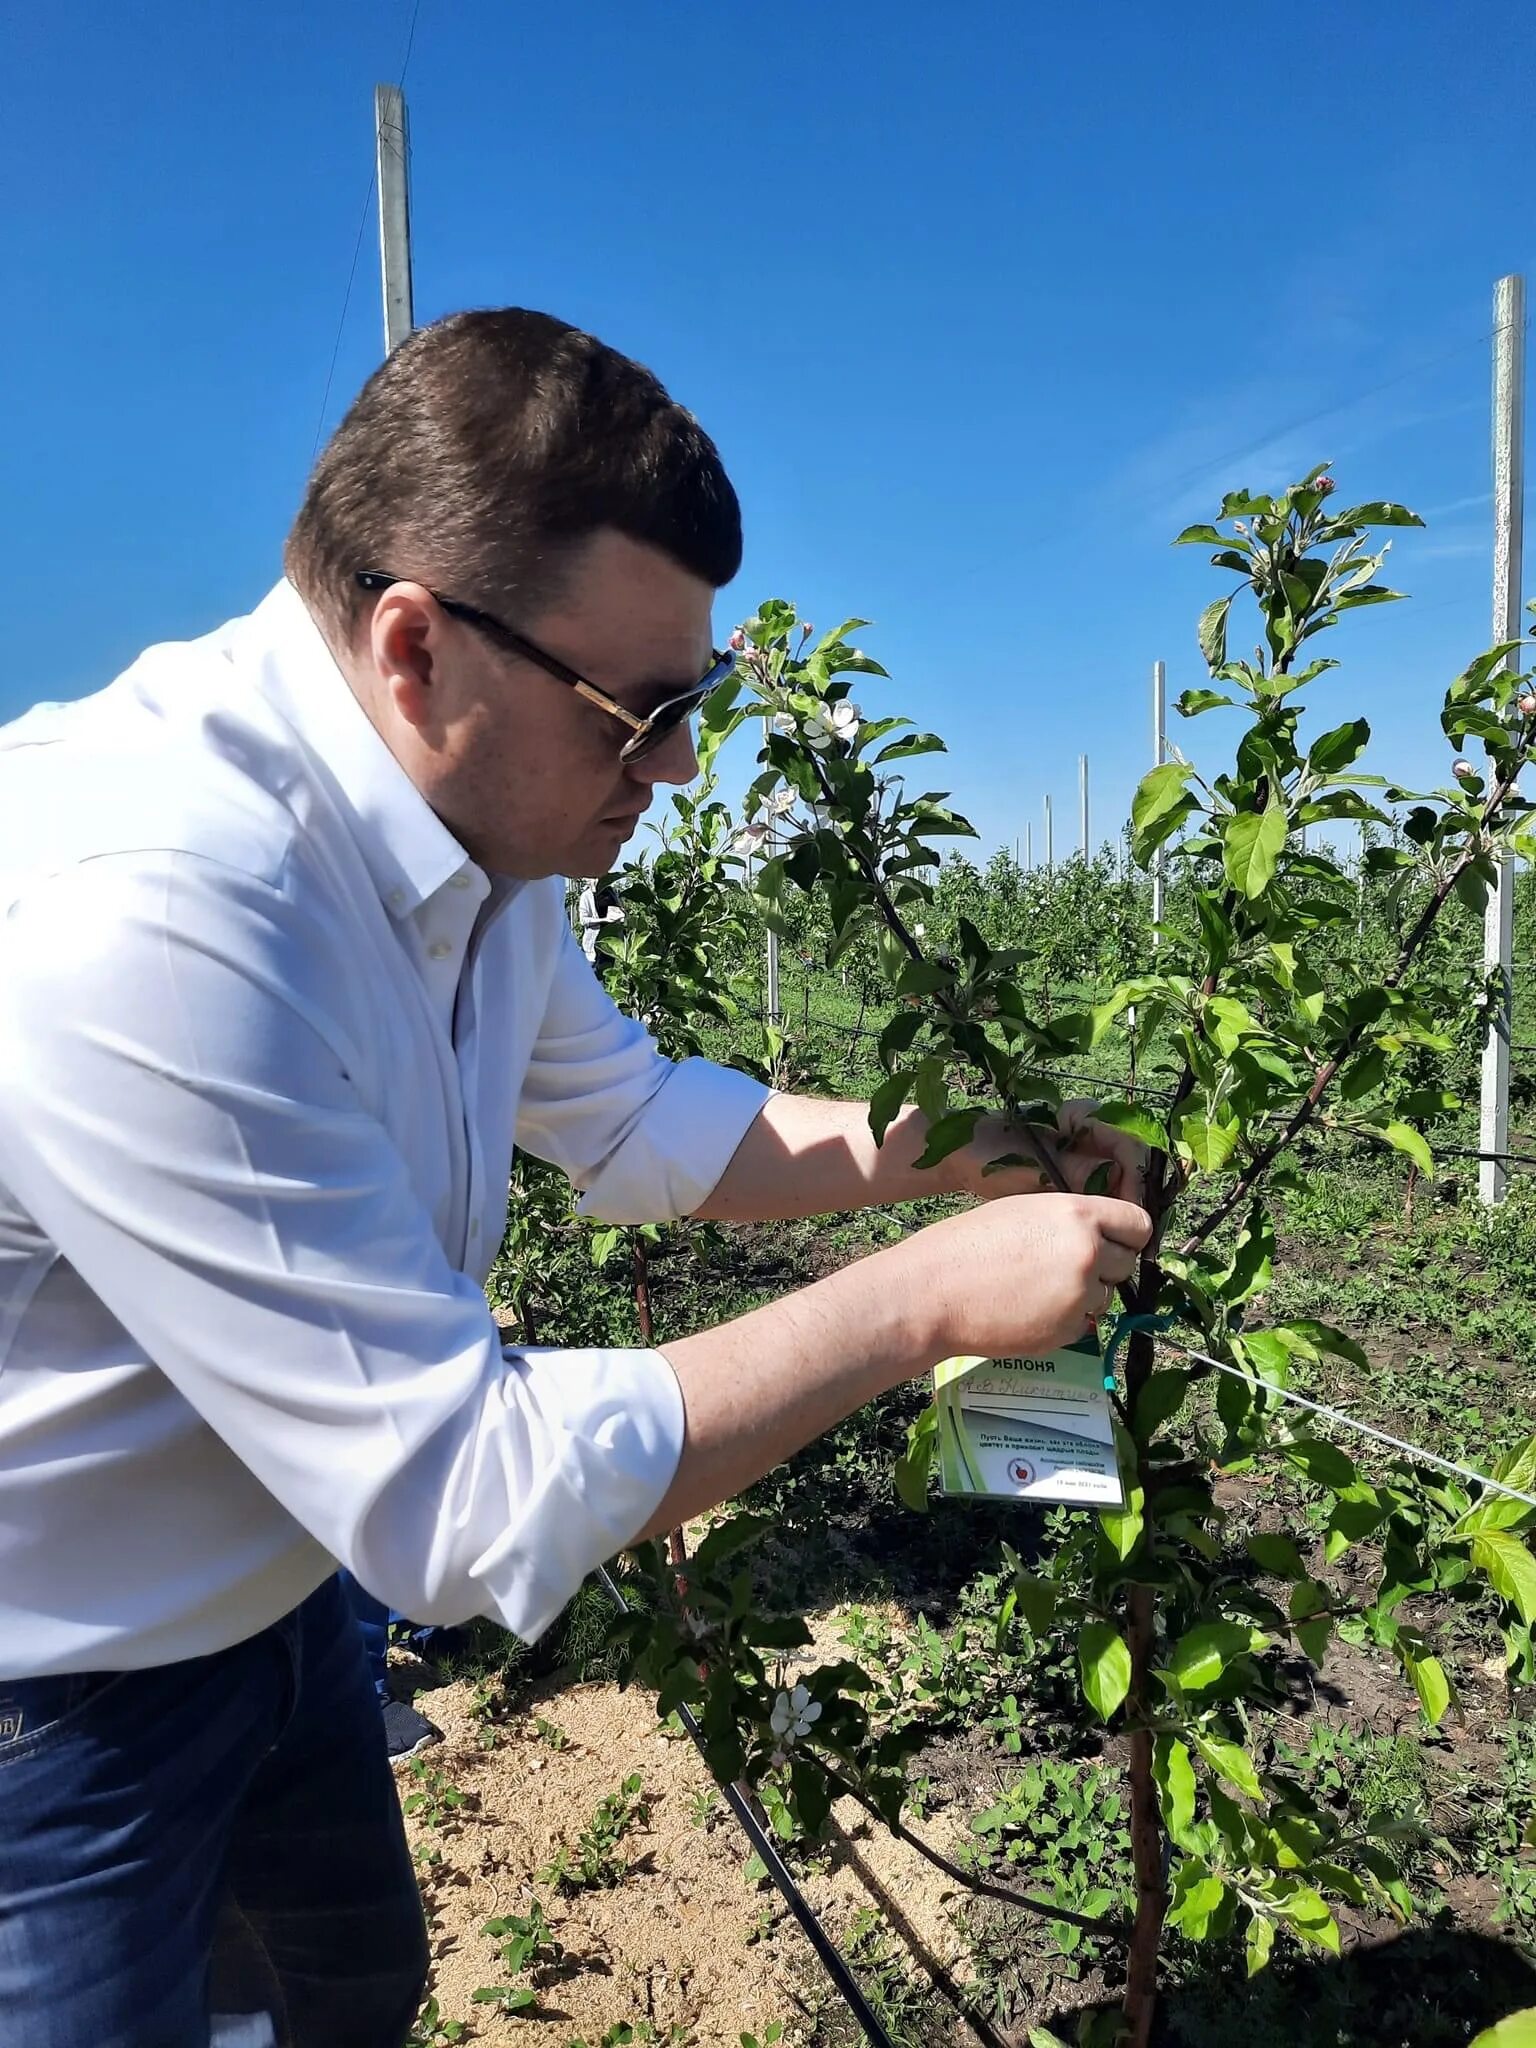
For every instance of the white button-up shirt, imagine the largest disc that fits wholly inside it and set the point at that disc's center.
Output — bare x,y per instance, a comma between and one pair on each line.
267,1037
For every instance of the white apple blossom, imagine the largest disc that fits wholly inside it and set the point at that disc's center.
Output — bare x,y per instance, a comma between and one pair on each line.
749,838
782,802
829,722
794,1714
786,723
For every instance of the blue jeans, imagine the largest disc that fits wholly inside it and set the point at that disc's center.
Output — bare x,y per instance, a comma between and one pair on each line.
207,1854
376,1620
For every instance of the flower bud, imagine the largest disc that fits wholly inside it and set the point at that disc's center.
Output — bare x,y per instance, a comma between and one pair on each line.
1464,769
738,641
1527,706
1323,485
807,628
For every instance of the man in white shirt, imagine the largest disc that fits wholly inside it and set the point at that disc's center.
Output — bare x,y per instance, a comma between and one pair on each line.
597,908
285,970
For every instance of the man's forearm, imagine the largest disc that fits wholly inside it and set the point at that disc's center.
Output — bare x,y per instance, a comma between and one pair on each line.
756,1390
804,1157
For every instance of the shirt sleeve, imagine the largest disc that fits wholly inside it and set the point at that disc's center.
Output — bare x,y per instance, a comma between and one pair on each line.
646,1139
178,1115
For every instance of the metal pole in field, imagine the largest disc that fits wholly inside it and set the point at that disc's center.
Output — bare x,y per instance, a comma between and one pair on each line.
1029,846
1049,839
1159,755
392,142
775,1016
1508,537
1082,805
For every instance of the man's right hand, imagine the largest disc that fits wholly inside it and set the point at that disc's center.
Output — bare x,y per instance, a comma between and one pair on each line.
1024,1275
1015,1278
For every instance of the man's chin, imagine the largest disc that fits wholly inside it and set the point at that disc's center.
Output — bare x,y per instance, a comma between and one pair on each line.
600,849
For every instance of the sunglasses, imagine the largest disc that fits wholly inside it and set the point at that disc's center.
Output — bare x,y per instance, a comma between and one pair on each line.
645,734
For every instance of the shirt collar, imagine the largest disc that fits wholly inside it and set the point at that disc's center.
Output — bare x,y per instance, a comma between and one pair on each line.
409,851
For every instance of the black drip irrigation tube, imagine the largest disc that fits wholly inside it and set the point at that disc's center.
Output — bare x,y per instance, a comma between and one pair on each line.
737,1799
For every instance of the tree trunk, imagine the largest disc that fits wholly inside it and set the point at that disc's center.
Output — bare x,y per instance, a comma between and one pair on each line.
640,1272
1147,1847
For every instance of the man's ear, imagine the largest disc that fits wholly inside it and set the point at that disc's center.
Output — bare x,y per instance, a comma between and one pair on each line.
402,644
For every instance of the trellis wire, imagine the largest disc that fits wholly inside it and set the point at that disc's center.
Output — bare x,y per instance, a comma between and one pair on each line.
1353,1422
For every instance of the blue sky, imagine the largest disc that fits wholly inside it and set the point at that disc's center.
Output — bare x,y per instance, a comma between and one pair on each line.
980,307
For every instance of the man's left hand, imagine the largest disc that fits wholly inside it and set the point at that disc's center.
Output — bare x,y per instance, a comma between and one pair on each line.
1080,1146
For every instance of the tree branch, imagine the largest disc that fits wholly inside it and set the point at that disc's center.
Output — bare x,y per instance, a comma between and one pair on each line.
1307,1109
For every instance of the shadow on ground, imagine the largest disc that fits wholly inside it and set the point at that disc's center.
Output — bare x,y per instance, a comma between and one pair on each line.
1429,1987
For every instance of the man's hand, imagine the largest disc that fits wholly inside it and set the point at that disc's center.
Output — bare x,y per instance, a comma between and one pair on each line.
1080,1148
1018,1278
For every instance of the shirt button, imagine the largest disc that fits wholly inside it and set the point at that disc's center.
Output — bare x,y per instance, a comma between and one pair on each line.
439,949
458,881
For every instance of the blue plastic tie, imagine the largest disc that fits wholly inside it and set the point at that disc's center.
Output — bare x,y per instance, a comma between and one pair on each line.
1125,1323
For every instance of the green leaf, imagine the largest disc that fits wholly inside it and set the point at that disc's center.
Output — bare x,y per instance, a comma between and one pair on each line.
1193,702
725,1539
1336,749
1036,1600
1516,1468
1212,632
1229,1762
1208,536
1306,1913
924,978
1309,1339
1324,1463
1174,1774
1252,847
1161,1398
1203,1653
947,1135
1260,1941
1313,1637
1431,1685
1209,1145
1252,1266
1511,1570
1518,2031
1136,1121
915,1463
1122,1526
1278,1555
1227,1023
1193,1912
1160,792
1352,1521
1404,1138
1379,512
898,1035
886,1103
1105,1663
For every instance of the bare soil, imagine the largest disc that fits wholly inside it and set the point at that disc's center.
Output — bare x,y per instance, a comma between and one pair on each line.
687,1941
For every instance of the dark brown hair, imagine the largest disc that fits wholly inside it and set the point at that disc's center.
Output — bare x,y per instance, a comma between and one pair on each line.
486,448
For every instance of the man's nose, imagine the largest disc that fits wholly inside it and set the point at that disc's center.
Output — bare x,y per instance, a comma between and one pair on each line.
674,759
